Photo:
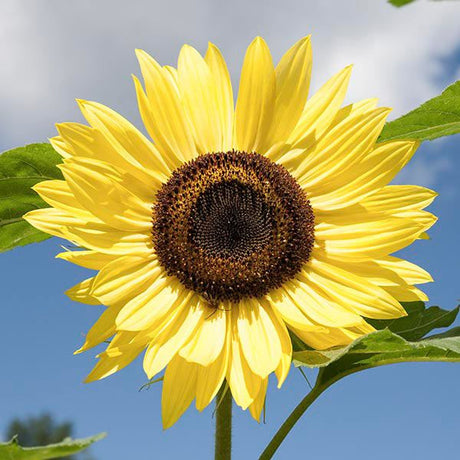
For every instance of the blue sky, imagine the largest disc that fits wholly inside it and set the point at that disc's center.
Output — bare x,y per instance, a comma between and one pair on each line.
56,52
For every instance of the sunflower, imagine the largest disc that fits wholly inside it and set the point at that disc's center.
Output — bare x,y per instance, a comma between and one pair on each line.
234,224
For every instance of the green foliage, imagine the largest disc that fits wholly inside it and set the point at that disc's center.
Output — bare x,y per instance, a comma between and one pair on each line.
418,322
397,341
13,451
399,3
378,348
20,169
38,431
435,118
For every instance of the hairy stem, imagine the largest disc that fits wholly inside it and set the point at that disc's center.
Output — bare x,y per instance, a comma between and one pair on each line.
223,446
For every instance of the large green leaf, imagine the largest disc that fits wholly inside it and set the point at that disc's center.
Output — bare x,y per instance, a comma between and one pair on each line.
435,118
418,322
378,349
20,169
13,451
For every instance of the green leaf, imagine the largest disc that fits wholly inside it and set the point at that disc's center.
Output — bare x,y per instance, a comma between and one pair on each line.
418,322
20,169
435,118
399,3
377,349
13,451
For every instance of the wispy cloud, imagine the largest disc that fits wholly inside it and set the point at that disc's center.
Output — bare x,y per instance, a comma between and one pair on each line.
54,51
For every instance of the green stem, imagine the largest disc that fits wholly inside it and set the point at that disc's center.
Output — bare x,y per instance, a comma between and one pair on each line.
223,447
289,423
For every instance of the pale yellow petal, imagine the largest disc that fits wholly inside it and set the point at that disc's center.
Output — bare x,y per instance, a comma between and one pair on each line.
358,180
200,99
139,156
89,259
163,113
108,365
211,377
179,386
353,292
345,144
320,110
170,339
206,344
368,239
124,278
244,383
81,292
406,293
102,329
292,84
256,407
315,304
256,96
93,185
57,193
223,83
260,339
61,146
398,198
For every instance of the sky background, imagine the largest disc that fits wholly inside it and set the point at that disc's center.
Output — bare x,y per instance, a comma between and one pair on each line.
55,51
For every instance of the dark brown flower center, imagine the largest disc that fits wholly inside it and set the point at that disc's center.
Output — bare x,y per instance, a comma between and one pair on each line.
232,225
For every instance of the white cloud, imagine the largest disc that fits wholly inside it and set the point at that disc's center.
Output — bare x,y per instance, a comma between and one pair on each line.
54,51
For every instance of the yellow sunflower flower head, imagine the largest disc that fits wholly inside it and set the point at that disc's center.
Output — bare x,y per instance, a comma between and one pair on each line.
234,223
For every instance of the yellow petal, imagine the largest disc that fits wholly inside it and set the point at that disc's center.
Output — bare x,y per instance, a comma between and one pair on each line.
101,330
124,278
163,113
286,345
244,383
407,293
57,193
259,337
199,94
320,110
139,156
179,386
93,185
81,292
172,337
292,83
346,143
361,107
206,344
256,407
88,259
363,178
223,84
353,292
61,146
398,198
147,308
256,96
368,239
211,377
289,311
315,304
108,365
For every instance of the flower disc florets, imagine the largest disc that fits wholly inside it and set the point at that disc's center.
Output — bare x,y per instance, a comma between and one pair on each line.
232,225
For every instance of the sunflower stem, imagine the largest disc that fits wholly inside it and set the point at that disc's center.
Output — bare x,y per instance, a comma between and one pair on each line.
289,423
223,446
